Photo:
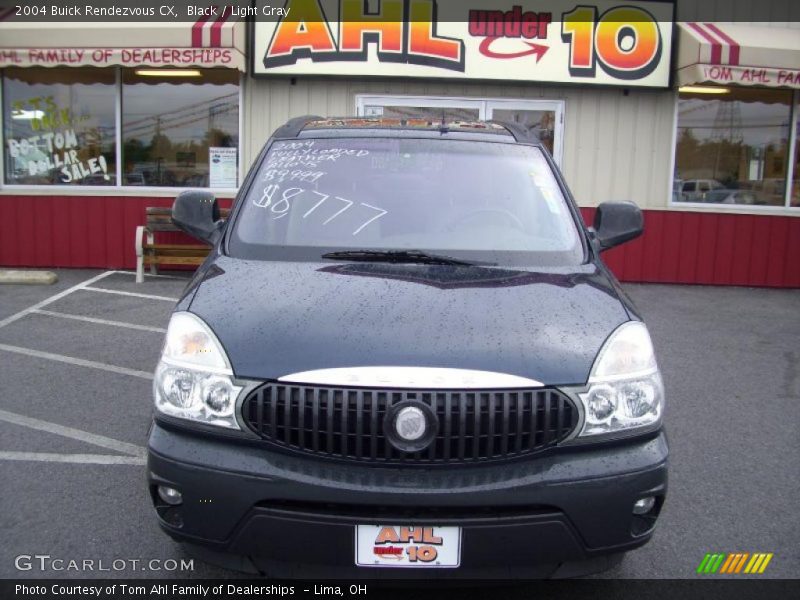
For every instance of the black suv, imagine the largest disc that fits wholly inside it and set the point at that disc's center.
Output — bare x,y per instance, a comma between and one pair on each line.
404,357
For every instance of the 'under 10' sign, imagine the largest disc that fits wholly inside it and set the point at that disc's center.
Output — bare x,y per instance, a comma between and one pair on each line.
606,42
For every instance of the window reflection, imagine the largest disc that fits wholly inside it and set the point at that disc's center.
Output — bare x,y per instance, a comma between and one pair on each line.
180,131
59,126
541,122
434,113
732,148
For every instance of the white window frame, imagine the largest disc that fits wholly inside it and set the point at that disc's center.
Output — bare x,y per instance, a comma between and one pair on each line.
128,190
557,106
485,107
787,192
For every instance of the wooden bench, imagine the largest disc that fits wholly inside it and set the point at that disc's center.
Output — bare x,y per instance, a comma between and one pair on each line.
148,252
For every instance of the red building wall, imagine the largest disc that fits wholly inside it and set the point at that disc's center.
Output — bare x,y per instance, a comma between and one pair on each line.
75,231
710,248
677,247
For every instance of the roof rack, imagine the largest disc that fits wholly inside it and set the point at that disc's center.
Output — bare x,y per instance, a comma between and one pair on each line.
520,133
292,128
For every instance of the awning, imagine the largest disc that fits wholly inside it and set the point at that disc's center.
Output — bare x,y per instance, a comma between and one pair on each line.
738,54
208,42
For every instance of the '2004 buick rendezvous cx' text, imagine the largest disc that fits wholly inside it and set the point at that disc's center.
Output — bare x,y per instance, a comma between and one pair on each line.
404,357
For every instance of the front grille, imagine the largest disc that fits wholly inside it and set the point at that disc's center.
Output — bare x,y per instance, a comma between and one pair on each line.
348,423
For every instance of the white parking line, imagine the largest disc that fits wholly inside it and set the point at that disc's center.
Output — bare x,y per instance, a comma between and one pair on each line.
83,459
51,299
75,434
146,275
134,294
99,321
134,455
77,361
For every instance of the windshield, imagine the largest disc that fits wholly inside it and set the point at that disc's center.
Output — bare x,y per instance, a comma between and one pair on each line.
480,201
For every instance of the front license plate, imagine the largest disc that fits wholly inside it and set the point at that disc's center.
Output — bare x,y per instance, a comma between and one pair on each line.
407,546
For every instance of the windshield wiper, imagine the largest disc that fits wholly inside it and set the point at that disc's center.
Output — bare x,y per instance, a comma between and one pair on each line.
399,256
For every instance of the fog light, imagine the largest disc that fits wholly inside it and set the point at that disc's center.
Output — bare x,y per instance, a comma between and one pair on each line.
170,495
644,506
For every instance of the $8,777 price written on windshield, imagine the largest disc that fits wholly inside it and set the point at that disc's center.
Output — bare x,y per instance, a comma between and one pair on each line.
281,205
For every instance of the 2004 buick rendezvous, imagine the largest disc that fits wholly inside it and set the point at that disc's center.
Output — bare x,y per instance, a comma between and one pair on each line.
404,355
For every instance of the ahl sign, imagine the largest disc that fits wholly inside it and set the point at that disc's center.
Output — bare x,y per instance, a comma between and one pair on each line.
607,42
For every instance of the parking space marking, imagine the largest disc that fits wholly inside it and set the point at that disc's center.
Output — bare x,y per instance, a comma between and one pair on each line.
61,315
84,459
132,454
51,299
146,275
71,360
75,434
134,294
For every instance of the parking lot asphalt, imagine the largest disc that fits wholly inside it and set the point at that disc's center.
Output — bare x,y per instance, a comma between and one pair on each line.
75,407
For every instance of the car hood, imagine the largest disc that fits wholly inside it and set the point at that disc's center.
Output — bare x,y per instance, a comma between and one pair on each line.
279,318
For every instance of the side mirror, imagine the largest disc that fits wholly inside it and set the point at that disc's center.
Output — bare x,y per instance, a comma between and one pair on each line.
197,213
616,223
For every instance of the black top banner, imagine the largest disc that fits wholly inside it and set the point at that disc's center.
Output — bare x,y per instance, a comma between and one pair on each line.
274,10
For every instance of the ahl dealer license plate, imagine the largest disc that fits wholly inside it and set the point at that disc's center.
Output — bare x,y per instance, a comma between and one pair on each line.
408,546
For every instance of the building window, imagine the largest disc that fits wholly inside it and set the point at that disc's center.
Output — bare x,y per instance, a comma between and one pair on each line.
732,146
180,130
59,126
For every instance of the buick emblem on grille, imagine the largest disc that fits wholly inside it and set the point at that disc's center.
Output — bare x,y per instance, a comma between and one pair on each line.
410,423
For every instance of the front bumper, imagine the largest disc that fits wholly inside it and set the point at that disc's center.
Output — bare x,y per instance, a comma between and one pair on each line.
561,514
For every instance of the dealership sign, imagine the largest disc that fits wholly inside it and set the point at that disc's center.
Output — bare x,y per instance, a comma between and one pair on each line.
608,42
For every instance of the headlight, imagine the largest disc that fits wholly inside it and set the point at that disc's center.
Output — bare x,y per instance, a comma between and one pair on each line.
624,394
194,379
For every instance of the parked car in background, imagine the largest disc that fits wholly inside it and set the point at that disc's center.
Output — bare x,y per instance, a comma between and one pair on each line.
695,190
135,178
199,180
725,196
